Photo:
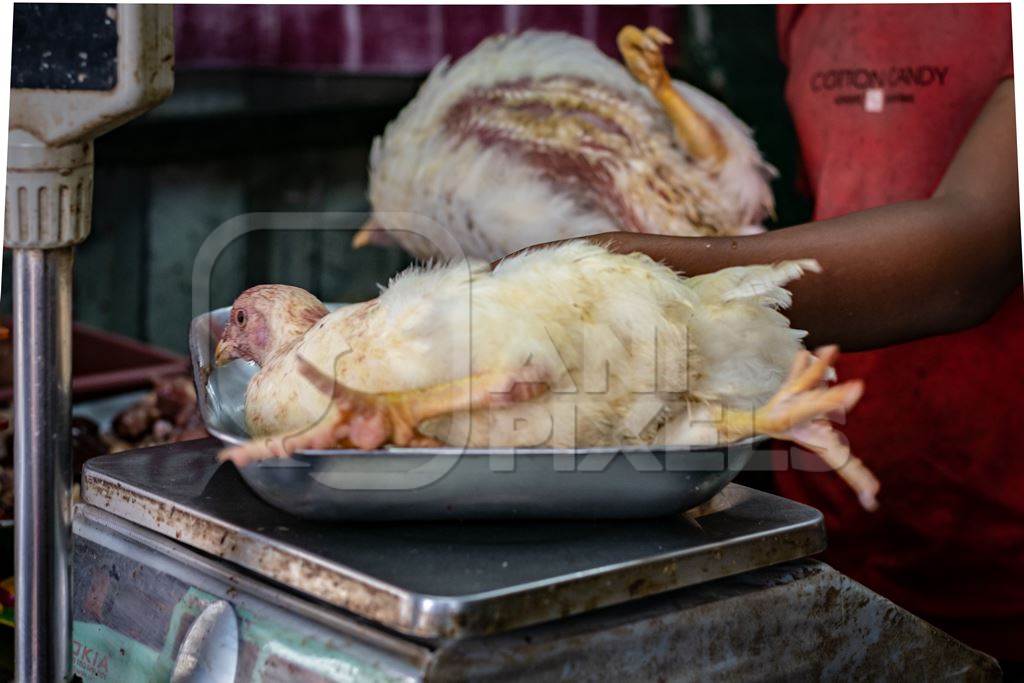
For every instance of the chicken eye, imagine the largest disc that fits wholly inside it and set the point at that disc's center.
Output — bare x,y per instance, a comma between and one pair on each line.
240,317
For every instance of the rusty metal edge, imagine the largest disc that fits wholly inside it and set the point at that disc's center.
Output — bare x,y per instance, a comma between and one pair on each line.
359,594
538,602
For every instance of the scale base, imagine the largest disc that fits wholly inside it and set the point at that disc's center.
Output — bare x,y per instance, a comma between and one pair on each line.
141,601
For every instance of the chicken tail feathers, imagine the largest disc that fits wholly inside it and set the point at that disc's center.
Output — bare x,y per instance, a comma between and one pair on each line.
764,285
745,342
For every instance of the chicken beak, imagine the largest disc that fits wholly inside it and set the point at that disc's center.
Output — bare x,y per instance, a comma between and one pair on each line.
222,354
372,232
362,238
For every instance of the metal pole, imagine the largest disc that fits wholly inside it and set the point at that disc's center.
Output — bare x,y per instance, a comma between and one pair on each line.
42,462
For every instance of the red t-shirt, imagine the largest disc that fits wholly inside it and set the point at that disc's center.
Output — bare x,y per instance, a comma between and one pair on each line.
882,96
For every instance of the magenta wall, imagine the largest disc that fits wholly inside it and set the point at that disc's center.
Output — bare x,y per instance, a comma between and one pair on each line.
381,39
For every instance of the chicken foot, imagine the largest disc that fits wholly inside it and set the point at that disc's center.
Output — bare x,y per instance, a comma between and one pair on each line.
367,421
798,412
641,51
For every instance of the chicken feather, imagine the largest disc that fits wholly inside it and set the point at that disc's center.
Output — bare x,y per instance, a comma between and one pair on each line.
539,137
571,310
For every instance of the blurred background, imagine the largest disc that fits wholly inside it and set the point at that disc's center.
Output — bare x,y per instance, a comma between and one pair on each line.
275,108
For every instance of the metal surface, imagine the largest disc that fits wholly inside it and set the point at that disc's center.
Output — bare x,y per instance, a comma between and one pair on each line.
450,579
137,592
798,621
437,484
209,653
448,483
42,461
48,202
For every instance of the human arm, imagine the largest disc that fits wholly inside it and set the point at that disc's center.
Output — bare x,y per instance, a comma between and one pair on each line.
896,272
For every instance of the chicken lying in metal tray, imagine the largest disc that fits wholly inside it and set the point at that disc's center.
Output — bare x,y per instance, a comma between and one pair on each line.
568,346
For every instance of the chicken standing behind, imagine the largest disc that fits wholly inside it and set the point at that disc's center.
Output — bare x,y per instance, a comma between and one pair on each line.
541,137
570,346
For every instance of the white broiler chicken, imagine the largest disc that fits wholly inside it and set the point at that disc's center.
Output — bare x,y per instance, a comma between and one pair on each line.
541,137
570,346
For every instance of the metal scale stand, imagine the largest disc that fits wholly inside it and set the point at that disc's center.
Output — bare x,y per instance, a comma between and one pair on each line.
77,71
182,574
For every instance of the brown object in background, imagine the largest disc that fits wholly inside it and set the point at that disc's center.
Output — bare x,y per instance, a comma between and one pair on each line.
132,423
102,363
167,414
86,443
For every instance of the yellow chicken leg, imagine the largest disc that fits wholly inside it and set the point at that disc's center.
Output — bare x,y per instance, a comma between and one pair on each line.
368,421
641,50
798,413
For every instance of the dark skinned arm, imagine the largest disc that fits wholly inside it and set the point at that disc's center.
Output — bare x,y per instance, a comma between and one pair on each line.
897,272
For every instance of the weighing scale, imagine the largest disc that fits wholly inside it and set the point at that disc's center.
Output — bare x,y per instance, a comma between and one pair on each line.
182,573
77,71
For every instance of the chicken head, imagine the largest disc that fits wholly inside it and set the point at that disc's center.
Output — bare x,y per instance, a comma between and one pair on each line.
266,319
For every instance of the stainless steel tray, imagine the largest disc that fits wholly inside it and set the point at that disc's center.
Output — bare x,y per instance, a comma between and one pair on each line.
402,483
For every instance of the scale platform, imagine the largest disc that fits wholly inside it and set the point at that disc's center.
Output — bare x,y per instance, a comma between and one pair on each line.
447,579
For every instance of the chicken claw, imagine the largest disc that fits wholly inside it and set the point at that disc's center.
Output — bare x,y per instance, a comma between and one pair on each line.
641,51
799,411
368,421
